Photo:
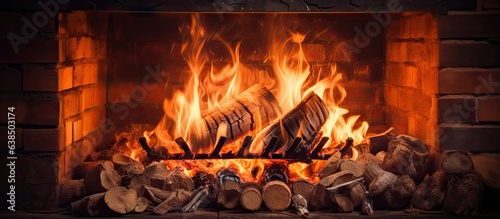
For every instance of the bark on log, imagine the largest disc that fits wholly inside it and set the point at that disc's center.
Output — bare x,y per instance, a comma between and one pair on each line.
196,199
357,193
397,195
85,167
380,142
300,204
276,195
79,208
71,190
101,178
241,115
344,204
321,196
430,193
126,166
97,207
174,202
251,197
457,162
407,155
304,121
155,195
229,187
352,167
463,194
209,182
303,188
120,199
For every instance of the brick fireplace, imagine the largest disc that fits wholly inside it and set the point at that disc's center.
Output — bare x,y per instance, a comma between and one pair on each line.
77,79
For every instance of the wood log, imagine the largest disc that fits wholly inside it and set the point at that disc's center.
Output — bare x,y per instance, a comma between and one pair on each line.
397,195
101,178
157,173
81,170
305,121
352,167
208,181
380,142
196,199
321,196
120,199
457,162
304,188
155,195
177,179
137,181
241,115
97,207
71,190
300,205
251,197
142,204
407,155
126,166
357,193
463,195
79,208
276,195
101,155
344,204
331,166
486,166
229,187
430,193
174,202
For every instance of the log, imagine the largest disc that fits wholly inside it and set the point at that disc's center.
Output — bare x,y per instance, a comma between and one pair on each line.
241,115
352,167
457,162
209,182
397,195
101,178
344,204
177,179
97,207
126,166
142,204
407,155
304,121
81,170
120,199
71,190
155,195
430,193
357,193
304,188
486,166
321,196
174,202
157,173
251,198
276,195
138,181
229,187
380,142
300,205
463,195
331,166
196,199
79,208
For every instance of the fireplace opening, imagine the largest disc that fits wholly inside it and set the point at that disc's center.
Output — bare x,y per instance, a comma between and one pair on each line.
300,112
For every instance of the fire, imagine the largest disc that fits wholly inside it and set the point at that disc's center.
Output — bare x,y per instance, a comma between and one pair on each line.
213,83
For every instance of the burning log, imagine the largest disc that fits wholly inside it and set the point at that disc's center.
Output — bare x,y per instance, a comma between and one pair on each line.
407,155
303,188
463,195
300,204
102,178
276,194
71,190
457,162
197,198
120,199
321,196
431,192
174,202
304,121
229,189
251,197
240,115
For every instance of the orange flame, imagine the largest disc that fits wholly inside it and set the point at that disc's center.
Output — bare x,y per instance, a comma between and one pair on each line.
215,82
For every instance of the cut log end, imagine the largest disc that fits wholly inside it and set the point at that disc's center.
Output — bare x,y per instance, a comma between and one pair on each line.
251,198
120,199
277,196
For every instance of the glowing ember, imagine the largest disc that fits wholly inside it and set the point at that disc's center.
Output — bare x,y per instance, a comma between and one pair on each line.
212,84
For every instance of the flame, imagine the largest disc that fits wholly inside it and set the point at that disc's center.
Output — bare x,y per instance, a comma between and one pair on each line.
213,83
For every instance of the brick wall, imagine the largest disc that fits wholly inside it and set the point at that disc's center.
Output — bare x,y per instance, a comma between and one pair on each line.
141,40
469,77
410,85
56,81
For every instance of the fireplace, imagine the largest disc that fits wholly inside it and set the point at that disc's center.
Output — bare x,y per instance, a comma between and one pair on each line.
86,75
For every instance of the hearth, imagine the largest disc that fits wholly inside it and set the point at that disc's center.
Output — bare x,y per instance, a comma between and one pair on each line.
260,110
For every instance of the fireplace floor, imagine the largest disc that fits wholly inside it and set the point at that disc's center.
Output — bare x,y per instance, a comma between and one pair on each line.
239,214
